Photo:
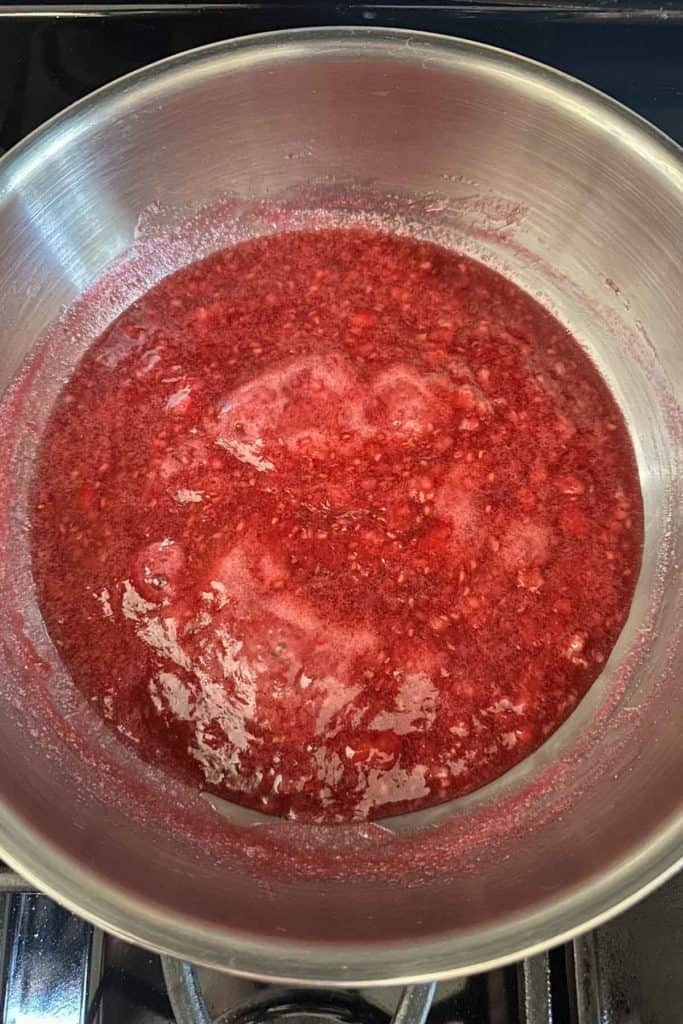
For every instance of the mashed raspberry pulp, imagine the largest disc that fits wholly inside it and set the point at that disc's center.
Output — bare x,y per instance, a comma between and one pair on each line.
335,523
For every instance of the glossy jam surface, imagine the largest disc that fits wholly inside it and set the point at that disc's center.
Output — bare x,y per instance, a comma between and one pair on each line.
336,524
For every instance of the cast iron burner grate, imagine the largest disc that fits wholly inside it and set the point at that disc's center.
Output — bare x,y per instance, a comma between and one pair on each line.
291,1005
56,967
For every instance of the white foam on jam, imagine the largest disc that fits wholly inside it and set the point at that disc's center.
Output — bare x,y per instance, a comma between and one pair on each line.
332,697
104,598
410,406
184,496
213,709
394,786
250,453
133,605
525,544
161,634
218,681
416,705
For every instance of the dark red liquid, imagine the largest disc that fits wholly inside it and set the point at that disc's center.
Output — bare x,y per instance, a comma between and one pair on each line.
336,524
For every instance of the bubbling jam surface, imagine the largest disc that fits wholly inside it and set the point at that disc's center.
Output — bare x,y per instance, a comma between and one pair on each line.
335,524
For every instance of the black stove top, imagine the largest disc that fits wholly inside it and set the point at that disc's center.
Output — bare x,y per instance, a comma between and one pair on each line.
54,967
51,54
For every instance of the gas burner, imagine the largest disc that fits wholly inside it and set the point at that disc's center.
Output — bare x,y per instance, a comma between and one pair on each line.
196,994
290,1005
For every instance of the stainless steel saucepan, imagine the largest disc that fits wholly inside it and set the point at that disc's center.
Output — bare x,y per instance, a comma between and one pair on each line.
577,200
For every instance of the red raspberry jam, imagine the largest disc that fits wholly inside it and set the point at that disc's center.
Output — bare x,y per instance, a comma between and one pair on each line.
336,524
